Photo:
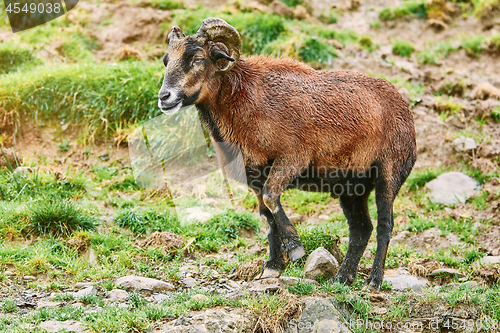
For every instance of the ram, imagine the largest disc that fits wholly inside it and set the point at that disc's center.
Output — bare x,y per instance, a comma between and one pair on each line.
329,131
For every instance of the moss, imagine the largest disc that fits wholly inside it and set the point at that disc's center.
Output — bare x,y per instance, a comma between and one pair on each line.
402,48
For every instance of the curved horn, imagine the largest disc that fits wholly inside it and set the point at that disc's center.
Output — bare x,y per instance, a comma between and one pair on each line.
218,30
175,33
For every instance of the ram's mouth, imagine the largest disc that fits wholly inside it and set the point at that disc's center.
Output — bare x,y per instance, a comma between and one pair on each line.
171,108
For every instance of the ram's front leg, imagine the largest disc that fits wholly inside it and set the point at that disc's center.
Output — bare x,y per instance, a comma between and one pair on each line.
280,175
276,263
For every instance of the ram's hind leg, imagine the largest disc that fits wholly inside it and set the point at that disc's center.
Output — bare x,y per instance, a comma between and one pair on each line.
276,262
360,229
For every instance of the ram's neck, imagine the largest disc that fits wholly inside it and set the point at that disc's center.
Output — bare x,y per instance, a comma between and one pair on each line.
226,109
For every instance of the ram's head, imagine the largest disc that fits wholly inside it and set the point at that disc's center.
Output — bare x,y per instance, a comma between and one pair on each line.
191,61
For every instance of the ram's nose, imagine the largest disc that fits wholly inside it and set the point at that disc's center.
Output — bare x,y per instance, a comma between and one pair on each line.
165,96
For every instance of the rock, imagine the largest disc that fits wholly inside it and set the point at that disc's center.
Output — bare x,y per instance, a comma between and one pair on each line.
160,297
23,170
89,291
291,280
47,304
489,260
199,297
212,320
234,284
464,144
29,278
189,282
378,311
324,217
140,283
9,273
452,188
118,295
81,285
62,326
401,279
319,316
266,285
440,272
321,263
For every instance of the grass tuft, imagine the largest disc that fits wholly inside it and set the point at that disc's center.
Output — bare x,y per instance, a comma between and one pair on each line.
58,218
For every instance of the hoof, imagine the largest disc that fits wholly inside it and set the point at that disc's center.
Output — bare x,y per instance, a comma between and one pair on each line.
268,273
296,253
371,285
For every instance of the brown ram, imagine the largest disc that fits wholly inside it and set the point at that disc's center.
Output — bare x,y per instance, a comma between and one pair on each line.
336,131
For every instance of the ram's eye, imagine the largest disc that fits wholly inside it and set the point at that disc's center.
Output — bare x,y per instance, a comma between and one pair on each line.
197,60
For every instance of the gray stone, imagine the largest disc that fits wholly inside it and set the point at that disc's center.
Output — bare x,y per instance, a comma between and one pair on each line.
47,304
462,144
118,295
489,260
9,273
89,291
452,188
66,326
292,280
81,285
29,278
209,321
446,272
401,279
23,170
319,316
321,263
189,282
159,297
143,283
266,285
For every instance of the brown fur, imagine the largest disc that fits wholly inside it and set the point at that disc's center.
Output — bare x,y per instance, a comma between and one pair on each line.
278,107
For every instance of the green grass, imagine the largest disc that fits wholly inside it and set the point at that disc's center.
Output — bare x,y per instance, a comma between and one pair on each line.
474,45
292,3
162,4
402,48
102,98
408,9
14,58
315,50
221,230
418,178
304,202
58,218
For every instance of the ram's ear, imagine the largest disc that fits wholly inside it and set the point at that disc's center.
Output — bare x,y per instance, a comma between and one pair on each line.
218,54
